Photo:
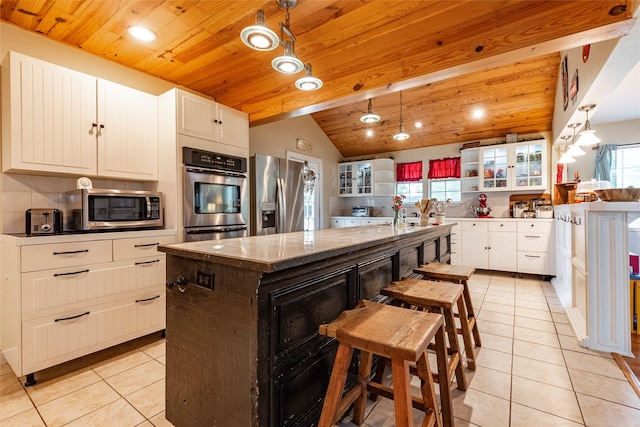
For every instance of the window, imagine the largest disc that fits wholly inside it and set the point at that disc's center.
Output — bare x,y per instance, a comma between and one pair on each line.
626,169
443,189
412,190
409,177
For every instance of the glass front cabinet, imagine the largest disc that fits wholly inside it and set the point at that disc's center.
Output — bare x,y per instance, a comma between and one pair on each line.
366,178
345,176
518,166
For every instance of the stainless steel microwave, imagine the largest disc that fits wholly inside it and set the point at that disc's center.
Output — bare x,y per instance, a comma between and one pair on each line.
103,209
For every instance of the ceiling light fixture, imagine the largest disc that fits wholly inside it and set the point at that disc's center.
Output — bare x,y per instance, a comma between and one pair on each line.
287,63
587,135
308,82
261,37
478,113
142,33
574,150
566,157
401,135
418,125
370,117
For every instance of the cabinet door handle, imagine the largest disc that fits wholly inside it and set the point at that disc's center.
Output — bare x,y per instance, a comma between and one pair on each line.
71,252
501,225
147,262
71,318
532,237
146,245
148,299
70,274
532,256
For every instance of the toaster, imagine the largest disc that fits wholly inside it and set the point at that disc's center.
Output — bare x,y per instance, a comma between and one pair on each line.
43,221
362,211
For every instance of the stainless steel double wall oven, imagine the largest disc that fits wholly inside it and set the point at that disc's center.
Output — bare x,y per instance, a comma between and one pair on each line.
216,201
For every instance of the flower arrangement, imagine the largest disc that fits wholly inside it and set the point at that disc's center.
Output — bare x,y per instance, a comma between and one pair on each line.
397,205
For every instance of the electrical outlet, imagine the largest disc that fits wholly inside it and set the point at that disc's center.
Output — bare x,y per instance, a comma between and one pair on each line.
204,279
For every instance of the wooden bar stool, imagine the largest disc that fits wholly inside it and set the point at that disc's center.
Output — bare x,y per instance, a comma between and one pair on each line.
441,298
400,335
456,274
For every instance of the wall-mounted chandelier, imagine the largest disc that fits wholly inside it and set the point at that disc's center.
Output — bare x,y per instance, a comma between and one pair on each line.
261,37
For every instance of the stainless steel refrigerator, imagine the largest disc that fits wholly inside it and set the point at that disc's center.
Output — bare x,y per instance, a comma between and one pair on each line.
277,195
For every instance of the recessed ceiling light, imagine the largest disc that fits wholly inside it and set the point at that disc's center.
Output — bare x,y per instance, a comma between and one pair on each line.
369,132
418,125
478,113
142,33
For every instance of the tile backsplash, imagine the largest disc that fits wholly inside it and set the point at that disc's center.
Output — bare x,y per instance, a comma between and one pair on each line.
22,192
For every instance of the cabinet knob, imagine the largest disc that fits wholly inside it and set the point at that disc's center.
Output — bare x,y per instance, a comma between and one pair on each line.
94,125
101,126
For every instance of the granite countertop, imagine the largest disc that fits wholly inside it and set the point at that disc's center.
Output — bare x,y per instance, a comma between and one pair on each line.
279,251
22,239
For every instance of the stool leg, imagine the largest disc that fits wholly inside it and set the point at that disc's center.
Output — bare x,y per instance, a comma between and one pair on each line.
402,392
471,313
431,409
364,375
466,335
450,326
443,377
336,385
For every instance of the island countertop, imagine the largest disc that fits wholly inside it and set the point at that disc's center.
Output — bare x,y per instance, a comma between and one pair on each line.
274,252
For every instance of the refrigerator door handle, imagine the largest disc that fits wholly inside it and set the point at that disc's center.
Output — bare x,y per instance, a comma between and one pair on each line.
281,205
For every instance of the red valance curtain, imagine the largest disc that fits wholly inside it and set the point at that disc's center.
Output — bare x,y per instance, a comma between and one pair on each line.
444,168
409,172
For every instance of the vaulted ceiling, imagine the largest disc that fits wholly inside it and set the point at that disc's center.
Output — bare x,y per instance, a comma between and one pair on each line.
447,58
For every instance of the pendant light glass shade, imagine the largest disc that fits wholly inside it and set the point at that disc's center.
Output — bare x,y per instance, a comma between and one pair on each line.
574,150
259,36
287,63
566,158
308,82
401,135
587,135
370,117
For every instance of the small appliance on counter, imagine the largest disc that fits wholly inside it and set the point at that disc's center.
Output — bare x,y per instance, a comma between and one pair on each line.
482,210
43,222
362,211
519,208
544,211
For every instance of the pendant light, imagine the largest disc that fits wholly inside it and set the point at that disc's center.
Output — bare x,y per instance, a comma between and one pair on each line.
262,38
308,82
259,36
566,158
370,117
574,150
401,135
587,135
287,63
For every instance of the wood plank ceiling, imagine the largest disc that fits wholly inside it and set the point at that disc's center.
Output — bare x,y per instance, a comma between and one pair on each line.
447,57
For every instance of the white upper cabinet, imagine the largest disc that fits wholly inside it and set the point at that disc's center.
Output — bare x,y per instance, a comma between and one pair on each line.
128,142
57,120
366,178
519,166
206,119
49,118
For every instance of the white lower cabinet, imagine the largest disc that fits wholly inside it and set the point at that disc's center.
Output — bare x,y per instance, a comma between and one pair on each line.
456,245
489,245
75,298
535,247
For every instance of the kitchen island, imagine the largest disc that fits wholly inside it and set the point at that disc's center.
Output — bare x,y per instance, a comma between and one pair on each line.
242,317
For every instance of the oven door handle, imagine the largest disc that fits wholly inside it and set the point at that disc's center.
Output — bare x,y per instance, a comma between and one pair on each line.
215,172
281,207
216,229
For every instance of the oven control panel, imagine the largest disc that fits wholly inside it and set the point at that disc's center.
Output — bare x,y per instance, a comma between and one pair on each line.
207,159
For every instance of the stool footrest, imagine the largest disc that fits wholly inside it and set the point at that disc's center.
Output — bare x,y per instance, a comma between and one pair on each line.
387,392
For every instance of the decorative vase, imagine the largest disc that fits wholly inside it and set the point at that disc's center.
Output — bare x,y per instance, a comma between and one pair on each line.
395,219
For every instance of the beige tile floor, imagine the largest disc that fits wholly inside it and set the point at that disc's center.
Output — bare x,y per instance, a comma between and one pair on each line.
531,372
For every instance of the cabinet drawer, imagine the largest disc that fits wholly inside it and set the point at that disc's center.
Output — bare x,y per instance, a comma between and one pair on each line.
59,255
533,262
502,226
139,247
49,292
51,340
534,242
352,222
474,225
537,225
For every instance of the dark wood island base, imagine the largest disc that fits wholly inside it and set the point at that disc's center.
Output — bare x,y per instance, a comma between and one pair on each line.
243,347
